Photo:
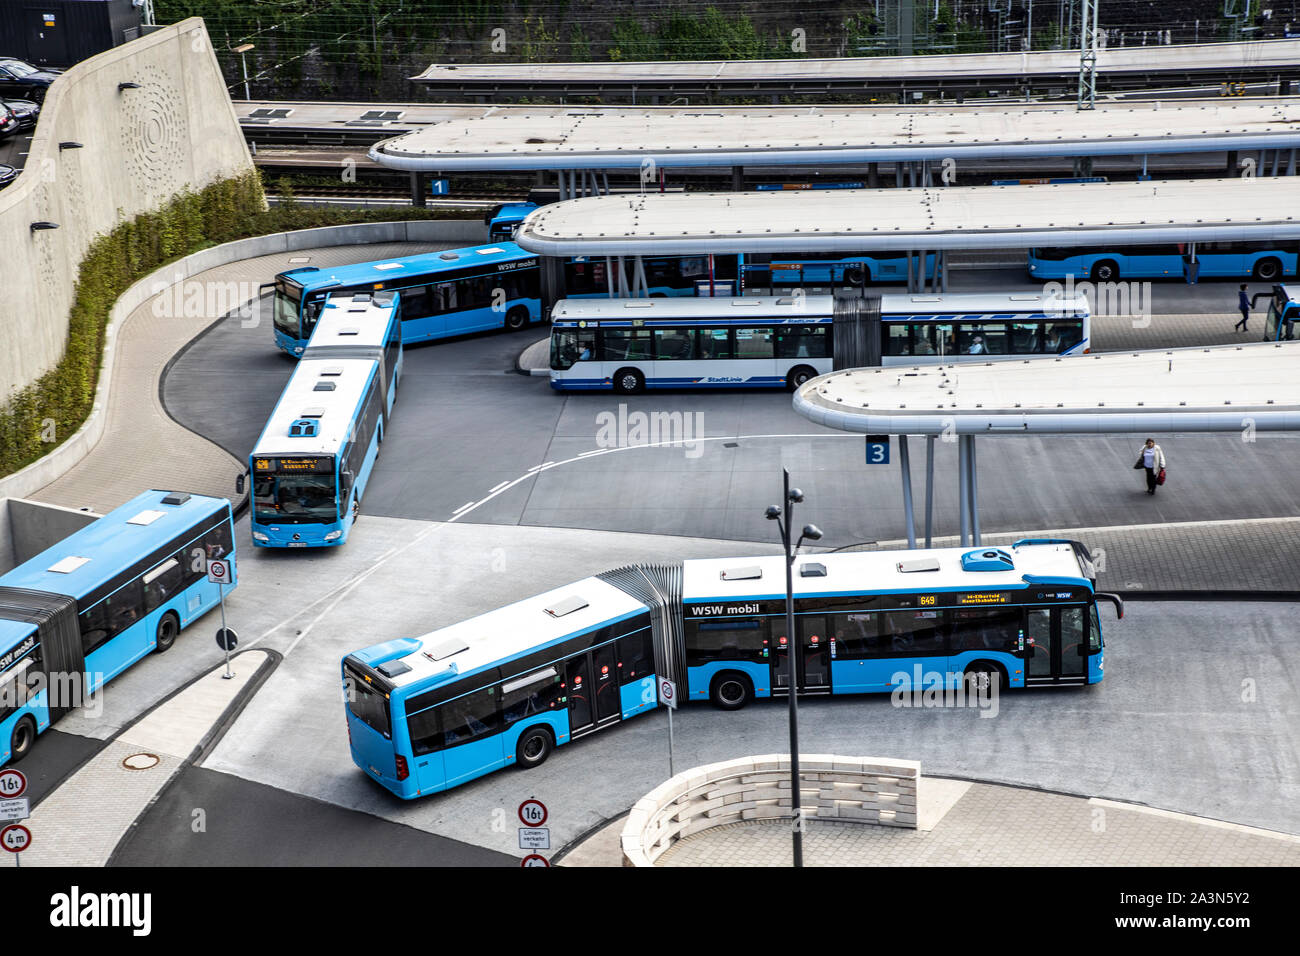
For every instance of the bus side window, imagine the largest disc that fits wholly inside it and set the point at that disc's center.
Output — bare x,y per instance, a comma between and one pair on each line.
537,697
636,656
470,717
896,336
425,730
417,302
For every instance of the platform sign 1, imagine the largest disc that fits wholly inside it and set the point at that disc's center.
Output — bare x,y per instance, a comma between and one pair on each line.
877,449
439,187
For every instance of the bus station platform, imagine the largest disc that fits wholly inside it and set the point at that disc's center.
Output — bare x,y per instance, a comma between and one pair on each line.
969,823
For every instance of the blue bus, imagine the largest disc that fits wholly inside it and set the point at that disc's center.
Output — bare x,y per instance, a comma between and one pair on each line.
1283,313
84,610
443,293
311,465
782,341
827,269
1264,261
428,713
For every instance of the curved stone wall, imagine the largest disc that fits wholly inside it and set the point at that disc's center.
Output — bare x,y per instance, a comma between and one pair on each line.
853,789
138,147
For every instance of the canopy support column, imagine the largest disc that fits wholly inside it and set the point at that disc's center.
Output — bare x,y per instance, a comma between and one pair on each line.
929,487
973,485
905,466
417,189
963,489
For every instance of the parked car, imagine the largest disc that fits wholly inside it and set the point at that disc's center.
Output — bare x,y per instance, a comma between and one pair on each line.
26,111
7,175
19,78
9,124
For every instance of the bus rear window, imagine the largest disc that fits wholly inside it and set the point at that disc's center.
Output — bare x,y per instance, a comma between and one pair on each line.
367,703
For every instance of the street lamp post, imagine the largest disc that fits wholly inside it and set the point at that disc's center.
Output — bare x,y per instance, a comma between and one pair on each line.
242,50
791,497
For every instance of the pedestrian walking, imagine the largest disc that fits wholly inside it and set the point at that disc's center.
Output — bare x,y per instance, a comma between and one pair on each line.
1243,303
1152,458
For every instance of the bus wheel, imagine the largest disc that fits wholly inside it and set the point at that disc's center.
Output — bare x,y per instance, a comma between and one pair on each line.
22,738
628,381
168,627
856,275
730,691
1104,271
535,745
516,319
980,676
1266,270
798,375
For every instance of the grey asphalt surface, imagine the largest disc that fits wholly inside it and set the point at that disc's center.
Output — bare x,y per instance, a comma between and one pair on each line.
249,824
464,425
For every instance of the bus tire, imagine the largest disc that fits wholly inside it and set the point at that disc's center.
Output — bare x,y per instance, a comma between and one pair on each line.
798,375
628,381
1104,271
535,745
1266,270
857,275
984,674
730,690
517,319
169,626
22,738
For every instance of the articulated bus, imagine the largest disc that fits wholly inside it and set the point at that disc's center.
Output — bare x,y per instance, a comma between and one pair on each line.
1283,313
313,460
443,293
84,610
505,688
632,344
1263,261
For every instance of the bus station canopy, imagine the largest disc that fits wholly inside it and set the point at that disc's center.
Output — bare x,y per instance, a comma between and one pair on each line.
551,138
1233,388
954,217
1117,67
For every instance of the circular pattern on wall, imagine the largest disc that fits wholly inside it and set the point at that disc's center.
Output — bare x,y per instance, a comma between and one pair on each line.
155,131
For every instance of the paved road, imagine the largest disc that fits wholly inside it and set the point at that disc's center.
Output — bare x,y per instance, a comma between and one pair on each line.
464,427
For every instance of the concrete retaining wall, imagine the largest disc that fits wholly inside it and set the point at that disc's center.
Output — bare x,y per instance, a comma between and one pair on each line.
139,147
854,789
29,527
58,462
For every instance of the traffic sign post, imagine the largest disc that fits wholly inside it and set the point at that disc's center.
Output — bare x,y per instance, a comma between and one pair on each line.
11,811
219,574
668,697
13,783
15,838
532,835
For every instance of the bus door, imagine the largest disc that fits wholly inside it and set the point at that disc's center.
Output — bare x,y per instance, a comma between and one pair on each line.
813,666
591,681
1056,645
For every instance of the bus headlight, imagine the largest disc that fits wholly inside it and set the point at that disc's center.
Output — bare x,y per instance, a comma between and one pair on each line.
258,536
334,534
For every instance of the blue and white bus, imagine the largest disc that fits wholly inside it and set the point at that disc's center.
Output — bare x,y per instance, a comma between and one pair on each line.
1261,260
1283,314
443,293
311,465
764,270
782,341
84,610
428,713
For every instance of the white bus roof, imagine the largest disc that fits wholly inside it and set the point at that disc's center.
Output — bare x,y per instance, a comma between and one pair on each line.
332,410
351,321
951,217
786,307
516,629
981,302
870,571
795,308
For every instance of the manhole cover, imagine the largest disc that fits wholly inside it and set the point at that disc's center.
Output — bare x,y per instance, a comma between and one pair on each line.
140,762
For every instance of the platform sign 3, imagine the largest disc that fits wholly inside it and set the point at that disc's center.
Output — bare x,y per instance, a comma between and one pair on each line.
877,449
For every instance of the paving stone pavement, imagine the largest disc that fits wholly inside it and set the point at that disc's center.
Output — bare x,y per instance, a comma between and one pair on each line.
142,447
1001,826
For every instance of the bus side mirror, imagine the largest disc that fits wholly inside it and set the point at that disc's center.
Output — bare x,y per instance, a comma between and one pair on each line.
1114,599
239,485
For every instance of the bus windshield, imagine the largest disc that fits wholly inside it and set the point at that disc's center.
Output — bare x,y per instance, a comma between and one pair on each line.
294,499
285,313
571,345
